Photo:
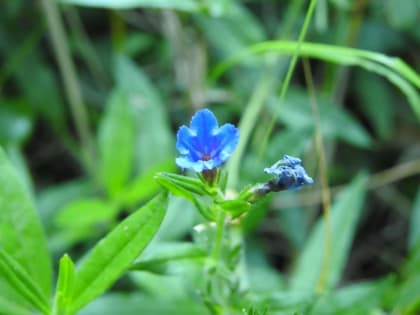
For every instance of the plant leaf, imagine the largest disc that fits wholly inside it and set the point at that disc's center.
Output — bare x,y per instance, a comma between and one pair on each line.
116,251
17,277
344,217
116,142
21,234
65,284
183,5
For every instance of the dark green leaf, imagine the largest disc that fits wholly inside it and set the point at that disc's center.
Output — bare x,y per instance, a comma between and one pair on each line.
116,251
154,140
116,142
345,214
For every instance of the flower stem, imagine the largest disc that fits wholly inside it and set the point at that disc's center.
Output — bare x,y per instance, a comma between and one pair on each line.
218,238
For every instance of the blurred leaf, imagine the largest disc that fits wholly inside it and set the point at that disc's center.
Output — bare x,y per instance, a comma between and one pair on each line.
17,158
18,278
372,91
15,122
262,276
288,219
178,222
81,216
52,199
345,214
402,15
414,232
183,5
41,78
21,234
235,207
335,121
116,251
144,185
375,36
355,299
135,304
11,308
116,140
154,143
65,283
227,34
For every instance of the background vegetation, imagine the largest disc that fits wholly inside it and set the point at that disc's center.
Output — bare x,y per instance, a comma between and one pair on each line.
93,91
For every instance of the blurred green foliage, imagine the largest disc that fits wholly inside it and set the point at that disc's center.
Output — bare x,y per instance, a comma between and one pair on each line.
141,68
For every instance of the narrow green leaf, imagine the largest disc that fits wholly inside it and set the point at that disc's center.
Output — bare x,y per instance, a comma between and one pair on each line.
345,214
114,253
182,5
65,284
178,182
166,253
393,69
235,207
17,277
116,141
21,234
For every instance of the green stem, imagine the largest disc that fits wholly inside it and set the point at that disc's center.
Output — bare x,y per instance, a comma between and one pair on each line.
69,76
218,238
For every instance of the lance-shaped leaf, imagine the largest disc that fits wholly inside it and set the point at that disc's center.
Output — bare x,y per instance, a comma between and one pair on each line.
181,186
17,277
116,251
21,234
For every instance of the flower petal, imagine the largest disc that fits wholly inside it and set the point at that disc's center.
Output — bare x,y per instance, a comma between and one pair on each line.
186,143
196,166
225,142
204,124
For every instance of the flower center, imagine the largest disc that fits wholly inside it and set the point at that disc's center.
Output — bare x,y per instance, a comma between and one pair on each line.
206,157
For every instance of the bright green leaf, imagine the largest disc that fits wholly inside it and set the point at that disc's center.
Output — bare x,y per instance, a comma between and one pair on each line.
21,234
115,252
65,284
17,277
165,253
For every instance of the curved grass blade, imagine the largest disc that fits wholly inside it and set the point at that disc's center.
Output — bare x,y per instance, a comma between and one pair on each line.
394,69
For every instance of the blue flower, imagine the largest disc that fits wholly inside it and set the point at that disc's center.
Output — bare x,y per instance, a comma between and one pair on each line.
290,174
204,145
